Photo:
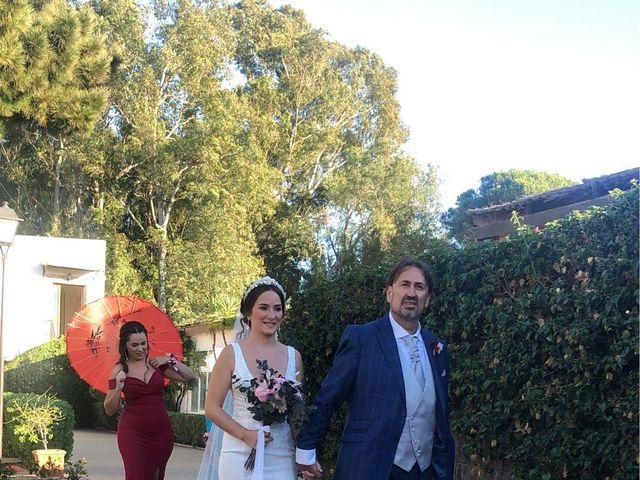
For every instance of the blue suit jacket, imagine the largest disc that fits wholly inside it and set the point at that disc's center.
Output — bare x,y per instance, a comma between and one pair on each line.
367,374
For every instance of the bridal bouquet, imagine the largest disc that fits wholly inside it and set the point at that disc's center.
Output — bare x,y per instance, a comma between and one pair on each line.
273,399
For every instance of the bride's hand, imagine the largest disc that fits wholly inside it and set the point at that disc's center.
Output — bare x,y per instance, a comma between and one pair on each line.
310,471
250,437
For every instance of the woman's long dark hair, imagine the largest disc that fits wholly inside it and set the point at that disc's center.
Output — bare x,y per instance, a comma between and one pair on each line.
128,329
250,300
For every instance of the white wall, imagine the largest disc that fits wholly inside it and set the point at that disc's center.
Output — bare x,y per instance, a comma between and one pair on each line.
203,339
31,299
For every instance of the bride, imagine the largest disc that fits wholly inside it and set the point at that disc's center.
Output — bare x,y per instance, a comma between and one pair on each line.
261,309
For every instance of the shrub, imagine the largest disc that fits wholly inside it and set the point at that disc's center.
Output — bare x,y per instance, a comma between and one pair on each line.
542,332
188,428
314,325
34,419
76,470
62,431
104,420
7,471
46,368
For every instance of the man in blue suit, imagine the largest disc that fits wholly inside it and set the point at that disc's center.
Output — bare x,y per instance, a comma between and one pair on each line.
394,376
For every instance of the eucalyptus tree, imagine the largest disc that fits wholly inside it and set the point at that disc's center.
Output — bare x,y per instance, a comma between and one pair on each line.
389,207
183,178
54,68
327,119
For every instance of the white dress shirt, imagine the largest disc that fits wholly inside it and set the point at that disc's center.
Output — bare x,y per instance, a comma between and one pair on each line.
403,349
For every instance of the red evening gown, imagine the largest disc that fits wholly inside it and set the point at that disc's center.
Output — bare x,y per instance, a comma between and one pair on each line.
145,436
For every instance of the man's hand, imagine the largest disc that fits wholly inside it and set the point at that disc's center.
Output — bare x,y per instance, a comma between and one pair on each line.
310,471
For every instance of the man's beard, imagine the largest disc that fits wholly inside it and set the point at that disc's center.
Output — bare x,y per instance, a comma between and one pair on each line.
409,315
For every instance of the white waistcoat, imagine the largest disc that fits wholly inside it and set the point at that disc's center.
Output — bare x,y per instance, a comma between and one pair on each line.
416,441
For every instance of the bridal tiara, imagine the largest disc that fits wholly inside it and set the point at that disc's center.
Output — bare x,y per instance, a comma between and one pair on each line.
263,281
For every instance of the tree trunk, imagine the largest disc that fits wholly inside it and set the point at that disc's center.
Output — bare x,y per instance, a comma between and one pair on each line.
182,390
162,213
162,269
57,167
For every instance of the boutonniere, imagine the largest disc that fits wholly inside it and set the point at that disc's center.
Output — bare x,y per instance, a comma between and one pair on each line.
436,347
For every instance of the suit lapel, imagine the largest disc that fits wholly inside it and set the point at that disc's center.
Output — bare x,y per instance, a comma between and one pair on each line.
428,339
441,396
389,347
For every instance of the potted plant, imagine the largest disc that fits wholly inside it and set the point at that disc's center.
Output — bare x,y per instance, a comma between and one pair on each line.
34,419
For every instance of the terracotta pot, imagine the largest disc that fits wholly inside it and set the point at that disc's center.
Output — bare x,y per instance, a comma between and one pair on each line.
51,459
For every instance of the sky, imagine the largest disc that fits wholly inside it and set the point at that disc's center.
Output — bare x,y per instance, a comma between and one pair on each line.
489,85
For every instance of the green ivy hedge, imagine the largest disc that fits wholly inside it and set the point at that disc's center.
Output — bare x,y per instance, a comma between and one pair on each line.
188,428
543,337
62,430
46,368
102,419
315,322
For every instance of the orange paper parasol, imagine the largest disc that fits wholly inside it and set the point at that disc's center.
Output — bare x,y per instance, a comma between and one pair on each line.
93,335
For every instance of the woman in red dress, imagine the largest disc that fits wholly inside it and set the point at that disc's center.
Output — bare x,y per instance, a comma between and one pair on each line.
145,436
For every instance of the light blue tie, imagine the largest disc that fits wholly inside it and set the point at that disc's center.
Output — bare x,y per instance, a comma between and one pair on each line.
414,355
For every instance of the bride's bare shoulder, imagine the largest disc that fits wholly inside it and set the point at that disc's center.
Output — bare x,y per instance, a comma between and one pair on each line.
226,358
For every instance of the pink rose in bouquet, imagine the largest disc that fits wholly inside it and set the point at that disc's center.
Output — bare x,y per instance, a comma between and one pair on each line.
263,392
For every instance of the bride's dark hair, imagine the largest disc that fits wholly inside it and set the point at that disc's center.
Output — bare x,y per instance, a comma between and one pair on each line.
250,300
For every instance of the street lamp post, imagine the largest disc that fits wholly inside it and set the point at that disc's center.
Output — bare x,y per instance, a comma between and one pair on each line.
8,226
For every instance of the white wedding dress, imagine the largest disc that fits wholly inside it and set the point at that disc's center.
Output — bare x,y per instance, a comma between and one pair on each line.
279,456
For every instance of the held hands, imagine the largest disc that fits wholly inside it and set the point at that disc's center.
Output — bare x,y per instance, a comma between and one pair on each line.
310,471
